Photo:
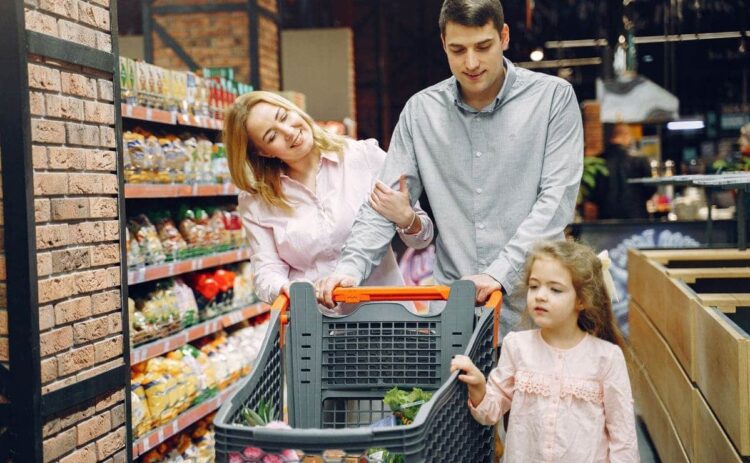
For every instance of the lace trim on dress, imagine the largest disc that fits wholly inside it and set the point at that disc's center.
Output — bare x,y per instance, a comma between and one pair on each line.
590,391
535,383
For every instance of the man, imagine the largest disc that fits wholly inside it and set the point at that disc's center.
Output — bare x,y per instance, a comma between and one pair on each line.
498,151
613,196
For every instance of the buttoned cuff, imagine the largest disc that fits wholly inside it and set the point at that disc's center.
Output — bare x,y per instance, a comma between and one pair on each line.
502,270
350,271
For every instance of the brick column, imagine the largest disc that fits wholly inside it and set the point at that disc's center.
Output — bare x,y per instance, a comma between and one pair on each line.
73,143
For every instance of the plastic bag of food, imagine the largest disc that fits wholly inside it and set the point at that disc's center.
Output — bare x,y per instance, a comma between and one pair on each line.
146,235
171,240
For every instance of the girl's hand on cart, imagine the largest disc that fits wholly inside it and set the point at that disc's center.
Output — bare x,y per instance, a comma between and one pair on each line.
485,286
471,376
325,286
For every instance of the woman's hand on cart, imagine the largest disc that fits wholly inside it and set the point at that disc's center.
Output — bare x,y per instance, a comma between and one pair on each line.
325,286
485,285
470,375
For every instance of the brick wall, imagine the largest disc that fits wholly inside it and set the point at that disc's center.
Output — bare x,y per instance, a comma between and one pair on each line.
219,40
77,229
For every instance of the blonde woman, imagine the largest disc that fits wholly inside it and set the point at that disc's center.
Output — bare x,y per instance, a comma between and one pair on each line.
302,188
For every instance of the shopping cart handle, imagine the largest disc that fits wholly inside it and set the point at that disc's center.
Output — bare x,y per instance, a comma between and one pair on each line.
393,293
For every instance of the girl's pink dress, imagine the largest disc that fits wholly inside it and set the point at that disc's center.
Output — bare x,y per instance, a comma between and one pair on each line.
571,405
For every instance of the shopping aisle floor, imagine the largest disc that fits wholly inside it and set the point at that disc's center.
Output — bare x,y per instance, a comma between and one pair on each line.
645,446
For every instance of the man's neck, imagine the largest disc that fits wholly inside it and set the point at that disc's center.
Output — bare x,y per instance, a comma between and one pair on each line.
481,100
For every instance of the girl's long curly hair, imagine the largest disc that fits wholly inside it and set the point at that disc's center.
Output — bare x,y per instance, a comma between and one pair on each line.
585,269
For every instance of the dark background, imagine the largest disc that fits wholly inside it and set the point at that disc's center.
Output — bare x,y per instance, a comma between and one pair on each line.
398,48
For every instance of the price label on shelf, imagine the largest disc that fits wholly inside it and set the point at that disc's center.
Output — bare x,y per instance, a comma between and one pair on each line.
149,114
129,110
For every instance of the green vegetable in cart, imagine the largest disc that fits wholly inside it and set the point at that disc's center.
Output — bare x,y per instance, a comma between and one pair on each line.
405,405
261,416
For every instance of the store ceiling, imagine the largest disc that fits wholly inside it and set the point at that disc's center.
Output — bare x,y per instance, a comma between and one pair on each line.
705,75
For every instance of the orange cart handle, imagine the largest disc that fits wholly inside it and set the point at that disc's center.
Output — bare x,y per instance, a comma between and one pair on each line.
393,293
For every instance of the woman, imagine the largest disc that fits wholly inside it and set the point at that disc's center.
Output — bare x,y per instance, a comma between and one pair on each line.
301,190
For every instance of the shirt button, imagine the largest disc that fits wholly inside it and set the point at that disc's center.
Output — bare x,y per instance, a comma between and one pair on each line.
479,154
480,226
479,190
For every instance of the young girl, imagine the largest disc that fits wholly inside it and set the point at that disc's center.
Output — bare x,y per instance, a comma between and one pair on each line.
566,383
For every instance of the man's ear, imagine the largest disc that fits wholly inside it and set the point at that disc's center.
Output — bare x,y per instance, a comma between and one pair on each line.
505,37
442,41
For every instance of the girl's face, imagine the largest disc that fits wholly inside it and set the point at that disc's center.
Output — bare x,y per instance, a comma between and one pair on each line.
551,299
278,132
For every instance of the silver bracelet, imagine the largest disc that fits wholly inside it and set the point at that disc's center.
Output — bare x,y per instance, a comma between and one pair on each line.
407,228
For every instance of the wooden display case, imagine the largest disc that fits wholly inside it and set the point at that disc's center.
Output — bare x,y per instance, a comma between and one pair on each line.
689,324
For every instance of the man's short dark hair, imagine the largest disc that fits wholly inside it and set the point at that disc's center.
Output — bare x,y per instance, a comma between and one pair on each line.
472,13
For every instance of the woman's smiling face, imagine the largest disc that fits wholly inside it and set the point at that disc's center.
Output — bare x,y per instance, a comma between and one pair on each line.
278,132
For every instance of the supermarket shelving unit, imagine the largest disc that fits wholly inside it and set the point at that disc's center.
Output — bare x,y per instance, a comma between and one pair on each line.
131,115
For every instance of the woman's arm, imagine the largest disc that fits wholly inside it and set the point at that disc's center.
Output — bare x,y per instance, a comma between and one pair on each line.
423,233
271,273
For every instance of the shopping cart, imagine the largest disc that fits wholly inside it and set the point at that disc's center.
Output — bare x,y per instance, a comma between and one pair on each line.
337,370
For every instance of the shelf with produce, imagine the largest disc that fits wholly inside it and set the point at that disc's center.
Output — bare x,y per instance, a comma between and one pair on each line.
152,190
142,113
162,346
157,272
185,419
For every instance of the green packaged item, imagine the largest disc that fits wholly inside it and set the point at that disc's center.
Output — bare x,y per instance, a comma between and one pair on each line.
405,405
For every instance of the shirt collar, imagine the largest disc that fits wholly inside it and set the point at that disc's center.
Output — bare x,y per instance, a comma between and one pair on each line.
510,78
324,155
330,156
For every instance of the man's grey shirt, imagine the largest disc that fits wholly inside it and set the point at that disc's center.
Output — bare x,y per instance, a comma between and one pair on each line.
498,180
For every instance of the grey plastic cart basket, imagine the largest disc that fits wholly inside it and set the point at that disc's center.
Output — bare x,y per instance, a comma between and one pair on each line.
339,369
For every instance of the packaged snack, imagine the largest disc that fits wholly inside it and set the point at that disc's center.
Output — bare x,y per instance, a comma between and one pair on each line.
141,417
219,163
171,240
225,279
193,232
159,386
135,158
217,229
175,158
145,234
202,162
186,303
133,249
157,173
202,220
205,288
233,225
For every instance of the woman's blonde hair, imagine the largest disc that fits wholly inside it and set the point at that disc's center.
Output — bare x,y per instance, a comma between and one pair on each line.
258,174
585,269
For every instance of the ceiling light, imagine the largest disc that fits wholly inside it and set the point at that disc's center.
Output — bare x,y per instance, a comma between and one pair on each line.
537,54
686,125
